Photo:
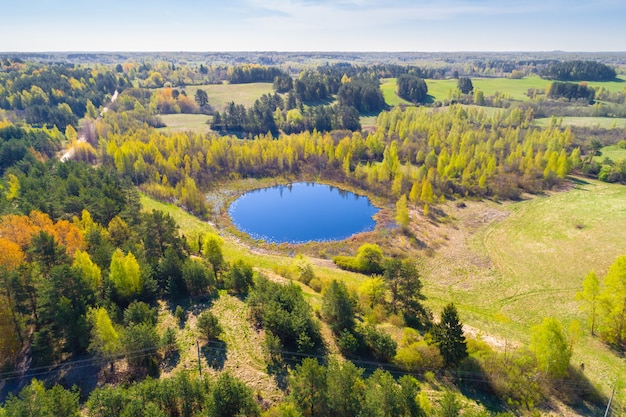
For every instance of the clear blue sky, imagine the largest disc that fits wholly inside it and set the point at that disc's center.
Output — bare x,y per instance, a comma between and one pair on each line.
313,25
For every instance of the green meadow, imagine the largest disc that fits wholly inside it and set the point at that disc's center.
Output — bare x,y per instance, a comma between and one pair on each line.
613,152
192,122
222,94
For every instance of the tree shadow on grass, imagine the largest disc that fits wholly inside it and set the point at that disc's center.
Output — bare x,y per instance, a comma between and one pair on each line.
578,392
215,353
279,371
170,361
577,181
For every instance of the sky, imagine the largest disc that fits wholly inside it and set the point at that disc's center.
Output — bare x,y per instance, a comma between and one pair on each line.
312,25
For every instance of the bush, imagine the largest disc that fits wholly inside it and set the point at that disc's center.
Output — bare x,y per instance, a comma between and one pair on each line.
369,260
379,343
418,356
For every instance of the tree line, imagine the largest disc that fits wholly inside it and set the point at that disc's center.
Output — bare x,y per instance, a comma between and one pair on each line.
571,91
579,71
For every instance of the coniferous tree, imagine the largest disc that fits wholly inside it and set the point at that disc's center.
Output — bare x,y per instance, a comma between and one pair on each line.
449,338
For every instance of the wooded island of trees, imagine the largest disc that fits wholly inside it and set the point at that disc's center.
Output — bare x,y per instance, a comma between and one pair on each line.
109,306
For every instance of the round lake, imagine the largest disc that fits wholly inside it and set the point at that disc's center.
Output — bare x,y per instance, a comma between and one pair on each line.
302,212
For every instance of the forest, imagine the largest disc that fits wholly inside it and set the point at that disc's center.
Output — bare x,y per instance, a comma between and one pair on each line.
111,303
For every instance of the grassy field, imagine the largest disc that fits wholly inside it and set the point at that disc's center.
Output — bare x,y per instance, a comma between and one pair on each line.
525,261
193,122
613,152
389,87
604,122
514,88
222,94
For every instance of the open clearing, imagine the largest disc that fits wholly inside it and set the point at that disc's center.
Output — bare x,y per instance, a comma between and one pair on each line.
192,122
603,122
514,88
389,87
507,266
222,94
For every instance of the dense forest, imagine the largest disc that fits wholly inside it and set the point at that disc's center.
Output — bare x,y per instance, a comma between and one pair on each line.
89,278
579,71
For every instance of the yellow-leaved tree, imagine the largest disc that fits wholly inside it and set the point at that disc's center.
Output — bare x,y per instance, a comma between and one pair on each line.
125,274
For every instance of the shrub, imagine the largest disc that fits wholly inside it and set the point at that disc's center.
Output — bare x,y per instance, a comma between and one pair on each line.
379,343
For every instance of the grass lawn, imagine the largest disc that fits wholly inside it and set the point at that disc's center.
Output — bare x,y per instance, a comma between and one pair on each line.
604,122
193,122
222,94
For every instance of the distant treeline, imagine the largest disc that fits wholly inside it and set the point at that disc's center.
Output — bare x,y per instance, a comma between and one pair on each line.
253,74
55,94
579,71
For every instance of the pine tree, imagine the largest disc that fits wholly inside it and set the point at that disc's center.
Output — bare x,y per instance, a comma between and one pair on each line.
449,338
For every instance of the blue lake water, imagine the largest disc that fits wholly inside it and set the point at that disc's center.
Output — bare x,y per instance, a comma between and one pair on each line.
302,212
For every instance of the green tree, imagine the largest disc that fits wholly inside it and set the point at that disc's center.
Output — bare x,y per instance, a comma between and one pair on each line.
140,343
465,85
309,388
613,303
139,312
35,400
345,389
551,348
201,97
449,338
338,307
405,286
230,397
208,326
590,297
197,277
239,277
212,252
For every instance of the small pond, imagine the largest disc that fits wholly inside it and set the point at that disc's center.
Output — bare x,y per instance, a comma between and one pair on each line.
302,212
